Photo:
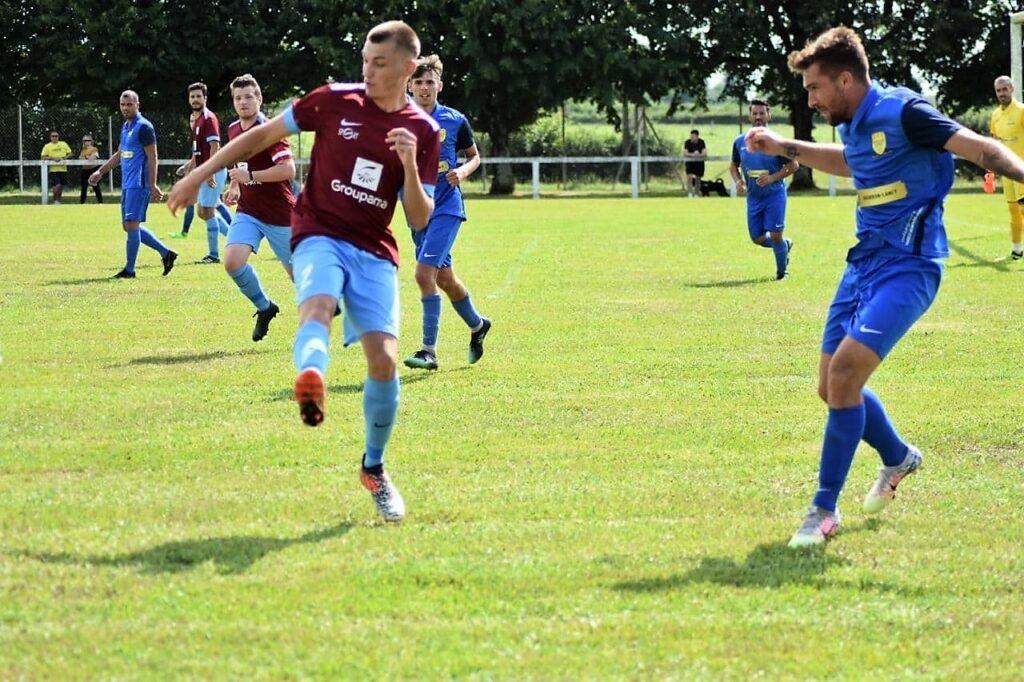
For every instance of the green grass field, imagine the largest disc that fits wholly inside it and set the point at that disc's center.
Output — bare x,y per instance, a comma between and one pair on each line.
607,494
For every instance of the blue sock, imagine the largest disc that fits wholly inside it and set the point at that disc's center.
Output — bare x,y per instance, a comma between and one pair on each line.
781,255
431,318
186,223
767,243
131,249
212,232
380,405
249,282
150,240
843,431
879,432
222,225
467,312
224,213
311,347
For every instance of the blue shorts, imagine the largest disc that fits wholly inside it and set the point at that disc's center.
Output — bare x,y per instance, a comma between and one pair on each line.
766,215
434,244
134,202
209,197
245,229
365,285
879,299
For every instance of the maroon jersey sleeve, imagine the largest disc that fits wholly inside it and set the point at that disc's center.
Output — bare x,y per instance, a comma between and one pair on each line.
308,109
428,151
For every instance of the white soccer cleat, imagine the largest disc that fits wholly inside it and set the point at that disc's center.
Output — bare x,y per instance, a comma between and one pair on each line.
884,489
385,495
819,525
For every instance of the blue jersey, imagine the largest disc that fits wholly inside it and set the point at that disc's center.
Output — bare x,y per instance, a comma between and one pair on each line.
894,147
456,135
136,134
755,164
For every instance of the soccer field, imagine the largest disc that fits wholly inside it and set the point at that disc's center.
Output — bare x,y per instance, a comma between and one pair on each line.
606,494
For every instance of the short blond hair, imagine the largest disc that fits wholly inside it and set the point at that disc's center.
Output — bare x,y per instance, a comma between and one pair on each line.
429,63
398,32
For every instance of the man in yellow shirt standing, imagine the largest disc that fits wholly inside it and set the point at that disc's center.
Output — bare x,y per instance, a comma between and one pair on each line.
56,150
1007,126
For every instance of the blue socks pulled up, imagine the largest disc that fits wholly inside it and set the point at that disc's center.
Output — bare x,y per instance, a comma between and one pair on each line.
380,405
880,433
311,347
249,283
467,312
843,431
431,319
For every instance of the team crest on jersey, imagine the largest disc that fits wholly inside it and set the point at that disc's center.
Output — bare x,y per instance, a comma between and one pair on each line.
878,142
366,174
444,134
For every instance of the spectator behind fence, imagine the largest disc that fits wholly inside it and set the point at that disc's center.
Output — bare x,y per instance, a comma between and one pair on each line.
89,153
695,152
56,150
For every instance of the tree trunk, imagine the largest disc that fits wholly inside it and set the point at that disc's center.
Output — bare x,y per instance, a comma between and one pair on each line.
502,182
803,124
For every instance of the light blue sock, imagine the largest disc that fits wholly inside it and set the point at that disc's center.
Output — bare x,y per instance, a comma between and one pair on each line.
249,282
311,347
222,225
150,240
843,431
380,405
186,223
781,255
879,432
467,312
431,318
224,213
131,249
212,232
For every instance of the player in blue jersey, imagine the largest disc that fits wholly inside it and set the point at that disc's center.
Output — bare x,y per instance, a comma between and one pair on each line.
371,143
766,191
136,154
434,268
899,151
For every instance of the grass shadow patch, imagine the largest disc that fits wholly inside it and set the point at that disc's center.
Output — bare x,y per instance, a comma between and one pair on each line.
730,283
231,555
188,358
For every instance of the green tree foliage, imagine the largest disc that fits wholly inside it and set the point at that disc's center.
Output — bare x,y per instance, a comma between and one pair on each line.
751,40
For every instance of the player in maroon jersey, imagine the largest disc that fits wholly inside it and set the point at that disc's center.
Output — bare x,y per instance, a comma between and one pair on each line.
371,143
206,143
262,188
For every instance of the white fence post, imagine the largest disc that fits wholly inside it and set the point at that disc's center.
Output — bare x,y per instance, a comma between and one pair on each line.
44,180
831,185
634,177
110,145
535,167
21,154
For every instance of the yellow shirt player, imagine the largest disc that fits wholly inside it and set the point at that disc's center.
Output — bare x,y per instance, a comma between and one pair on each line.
1007,126
56,150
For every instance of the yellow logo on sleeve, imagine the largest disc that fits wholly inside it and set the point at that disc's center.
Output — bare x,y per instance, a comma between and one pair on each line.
878,142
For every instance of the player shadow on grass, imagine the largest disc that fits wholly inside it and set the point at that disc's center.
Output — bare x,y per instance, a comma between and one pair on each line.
230,555
288,394
190,357
772,565
730,283
1000,264
77,282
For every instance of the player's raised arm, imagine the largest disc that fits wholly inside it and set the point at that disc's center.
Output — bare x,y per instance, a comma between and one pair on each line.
824,157
254,140
986,152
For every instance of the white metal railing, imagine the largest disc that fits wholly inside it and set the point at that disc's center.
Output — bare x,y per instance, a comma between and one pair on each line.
534,161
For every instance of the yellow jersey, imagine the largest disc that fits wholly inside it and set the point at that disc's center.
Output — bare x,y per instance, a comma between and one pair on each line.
1007,126
57,149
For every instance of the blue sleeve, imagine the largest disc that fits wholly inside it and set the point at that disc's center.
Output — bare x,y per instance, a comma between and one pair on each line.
464,140
924,126
147,135
736,153
289,120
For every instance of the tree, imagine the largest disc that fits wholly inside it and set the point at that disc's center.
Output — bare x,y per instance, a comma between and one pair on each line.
751,40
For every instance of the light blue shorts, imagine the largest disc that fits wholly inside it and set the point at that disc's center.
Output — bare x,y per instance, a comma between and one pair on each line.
134,202
245,229
766,215
209,197
366,286
434,244
880,298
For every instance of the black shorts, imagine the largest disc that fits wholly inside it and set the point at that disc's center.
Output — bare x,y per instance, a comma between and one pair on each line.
695,168
59,178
